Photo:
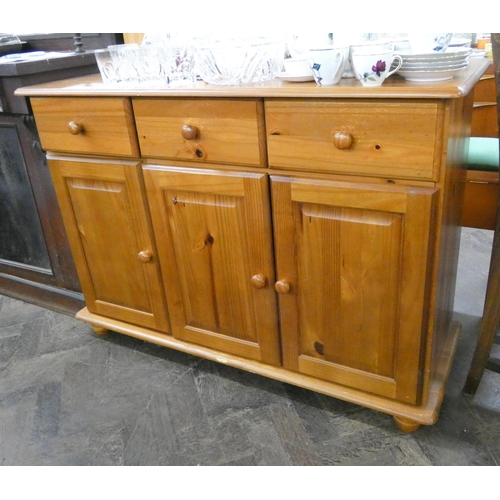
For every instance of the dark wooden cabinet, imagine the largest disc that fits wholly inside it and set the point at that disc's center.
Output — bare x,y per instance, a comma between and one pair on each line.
35,261
36,264
21,234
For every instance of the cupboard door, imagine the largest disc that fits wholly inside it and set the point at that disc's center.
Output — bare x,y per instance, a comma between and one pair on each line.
214,236
352,266
110,237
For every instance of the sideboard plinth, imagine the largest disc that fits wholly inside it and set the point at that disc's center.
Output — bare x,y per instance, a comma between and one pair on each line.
412,416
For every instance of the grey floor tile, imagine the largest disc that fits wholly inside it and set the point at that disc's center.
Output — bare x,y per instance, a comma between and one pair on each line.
68,397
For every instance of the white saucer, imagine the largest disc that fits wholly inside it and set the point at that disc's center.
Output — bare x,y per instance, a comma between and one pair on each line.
288,78
428,76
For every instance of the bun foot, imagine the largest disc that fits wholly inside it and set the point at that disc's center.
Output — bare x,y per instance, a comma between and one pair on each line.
99,330
406,425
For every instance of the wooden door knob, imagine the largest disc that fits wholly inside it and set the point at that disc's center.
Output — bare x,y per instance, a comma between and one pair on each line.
75,128
258,281
282,286
342,140
144,256
189,132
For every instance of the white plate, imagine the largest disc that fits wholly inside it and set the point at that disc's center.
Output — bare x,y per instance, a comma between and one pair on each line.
31,56
433,62
459,53
434,67
428,76
288,78
459,42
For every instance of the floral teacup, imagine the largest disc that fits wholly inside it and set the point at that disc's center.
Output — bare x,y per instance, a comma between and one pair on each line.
372,67
327,64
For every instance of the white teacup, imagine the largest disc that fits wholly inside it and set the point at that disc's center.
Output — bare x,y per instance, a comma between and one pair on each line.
429,43
376,46
327,64
372,67
297,67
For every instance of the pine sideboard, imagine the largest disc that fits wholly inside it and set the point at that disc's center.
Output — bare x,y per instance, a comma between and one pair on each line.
308,234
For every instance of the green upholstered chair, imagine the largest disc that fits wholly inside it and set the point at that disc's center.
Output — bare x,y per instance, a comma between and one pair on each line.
481,186
484,154
481,183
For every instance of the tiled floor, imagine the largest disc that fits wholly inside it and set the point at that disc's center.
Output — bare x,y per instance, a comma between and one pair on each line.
68,397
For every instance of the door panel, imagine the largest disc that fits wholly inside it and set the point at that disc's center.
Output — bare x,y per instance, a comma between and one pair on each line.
338,258
22,239
109,233
214,236
354,313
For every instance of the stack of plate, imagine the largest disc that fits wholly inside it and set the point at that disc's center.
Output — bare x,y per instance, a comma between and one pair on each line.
434,67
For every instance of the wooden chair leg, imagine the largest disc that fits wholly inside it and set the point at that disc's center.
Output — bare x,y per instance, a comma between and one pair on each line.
480,362
491,319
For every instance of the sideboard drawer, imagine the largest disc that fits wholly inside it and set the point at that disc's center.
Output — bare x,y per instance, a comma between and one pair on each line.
86,125
383,138
207,130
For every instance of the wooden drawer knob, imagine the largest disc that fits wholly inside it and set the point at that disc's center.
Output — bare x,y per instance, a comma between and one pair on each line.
282,286
189,132
342,140
258,281
144,256
75,128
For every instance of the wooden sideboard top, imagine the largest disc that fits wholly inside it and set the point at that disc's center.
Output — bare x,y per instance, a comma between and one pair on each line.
394,87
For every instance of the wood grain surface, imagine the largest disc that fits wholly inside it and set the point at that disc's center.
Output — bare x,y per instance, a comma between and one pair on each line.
106,125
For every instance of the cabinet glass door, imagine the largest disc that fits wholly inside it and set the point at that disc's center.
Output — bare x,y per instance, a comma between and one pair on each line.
21,237
352,265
